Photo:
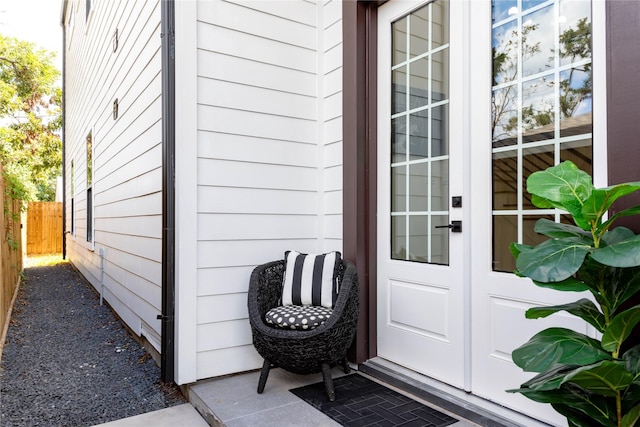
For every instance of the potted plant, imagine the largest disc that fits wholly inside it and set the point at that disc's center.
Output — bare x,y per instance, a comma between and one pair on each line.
592,382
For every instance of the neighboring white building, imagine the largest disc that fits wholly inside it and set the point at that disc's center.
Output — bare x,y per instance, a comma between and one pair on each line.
203,138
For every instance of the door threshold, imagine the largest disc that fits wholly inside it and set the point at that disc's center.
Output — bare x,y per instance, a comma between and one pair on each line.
451,399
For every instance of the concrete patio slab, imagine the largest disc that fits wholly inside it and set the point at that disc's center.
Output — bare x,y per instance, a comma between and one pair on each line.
183,415
234,402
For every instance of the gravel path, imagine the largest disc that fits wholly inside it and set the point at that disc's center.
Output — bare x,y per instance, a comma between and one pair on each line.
68,361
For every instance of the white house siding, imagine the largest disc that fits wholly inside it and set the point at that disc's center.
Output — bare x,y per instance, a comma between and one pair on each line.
127,180
269,156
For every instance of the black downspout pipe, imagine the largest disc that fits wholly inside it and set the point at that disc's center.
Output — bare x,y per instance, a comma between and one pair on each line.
168,191
64,153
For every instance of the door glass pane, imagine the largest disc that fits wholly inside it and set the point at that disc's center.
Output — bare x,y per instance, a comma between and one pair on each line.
399,89
439,248
504,116
537,48
399,237
505,180
419,83
398,139
418,187
538,109
398,188
505,231
420,136
541,107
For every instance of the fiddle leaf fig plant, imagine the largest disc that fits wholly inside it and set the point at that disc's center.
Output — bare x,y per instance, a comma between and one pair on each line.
592,382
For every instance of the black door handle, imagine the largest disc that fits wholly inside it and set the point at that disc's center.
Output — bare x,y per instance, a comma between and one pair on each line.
455,226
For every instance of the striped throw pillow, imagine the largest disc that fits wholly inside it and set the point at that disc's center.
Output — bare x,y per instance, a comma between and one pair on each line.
310,279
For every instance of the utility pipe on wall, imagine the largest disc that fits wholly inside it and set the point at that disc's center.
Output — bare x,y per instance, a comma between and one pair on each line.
101,274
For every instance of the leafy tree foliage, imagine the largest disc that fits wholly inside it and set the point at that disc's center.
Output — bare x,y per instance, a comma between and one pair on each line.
30,118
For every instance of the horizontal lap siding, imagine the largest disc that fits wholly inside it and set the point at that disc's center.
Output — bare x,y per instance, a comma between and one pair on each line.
332,125
269,157
127,174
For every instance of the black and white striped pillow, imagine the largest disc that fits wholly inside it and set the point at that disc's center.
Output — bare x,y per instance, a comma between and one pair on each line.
310,279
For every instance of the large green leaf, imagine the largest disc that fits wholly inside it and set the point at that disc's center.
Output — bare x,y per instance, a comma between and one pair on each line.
631,418
605,378
583,308
627,212
621,254
517,248
617,235
541,202
577,418
610,285
620,328
553,260
570,284
560,230
631,397
564,183
550,380
601,199
556,346
577,404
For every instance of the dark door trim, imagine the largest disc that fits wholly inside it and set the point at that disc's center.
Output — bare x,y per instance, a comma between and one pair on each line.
623,93
359,24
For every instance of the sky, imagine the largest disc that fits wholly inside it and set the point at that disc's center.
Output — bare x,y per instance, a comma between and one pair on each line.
37,21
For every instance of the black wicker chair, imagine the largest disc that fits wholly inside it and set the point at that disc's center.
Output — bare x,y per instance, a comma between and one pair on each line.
298,351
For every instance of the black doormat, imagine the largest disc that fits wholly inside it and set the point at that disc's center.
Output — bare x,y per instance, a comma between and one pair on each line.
362,402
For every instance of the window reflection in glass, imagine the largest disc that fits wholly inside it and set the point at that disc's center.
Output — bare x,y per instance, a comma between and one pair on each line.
399,41
505,231
420,135
439,196
419,83
579,152
439,24
398,188
504,116
418,187
398,139
440,240
439,131
575,31
399,237
505,180
575,101
538,109
419,238
505,52
399,90
503,9
440,76
537,43
419,42
534,159
541,106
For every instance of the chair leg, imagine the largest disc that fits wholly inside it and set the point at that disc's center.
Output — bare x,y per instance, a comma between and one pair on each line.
328,382
264,374
345,366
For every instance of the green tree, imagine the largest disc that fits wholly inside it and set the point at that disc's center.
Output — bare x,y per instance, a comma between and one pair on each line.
30,118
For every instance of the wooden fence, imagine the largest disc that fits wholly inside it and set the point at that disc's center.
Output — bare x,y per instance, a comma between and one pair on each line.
44,228
10,255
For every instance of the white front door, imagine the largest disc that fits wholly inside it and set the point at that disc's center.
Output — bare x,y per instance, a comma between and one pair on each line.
420,260
472,98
